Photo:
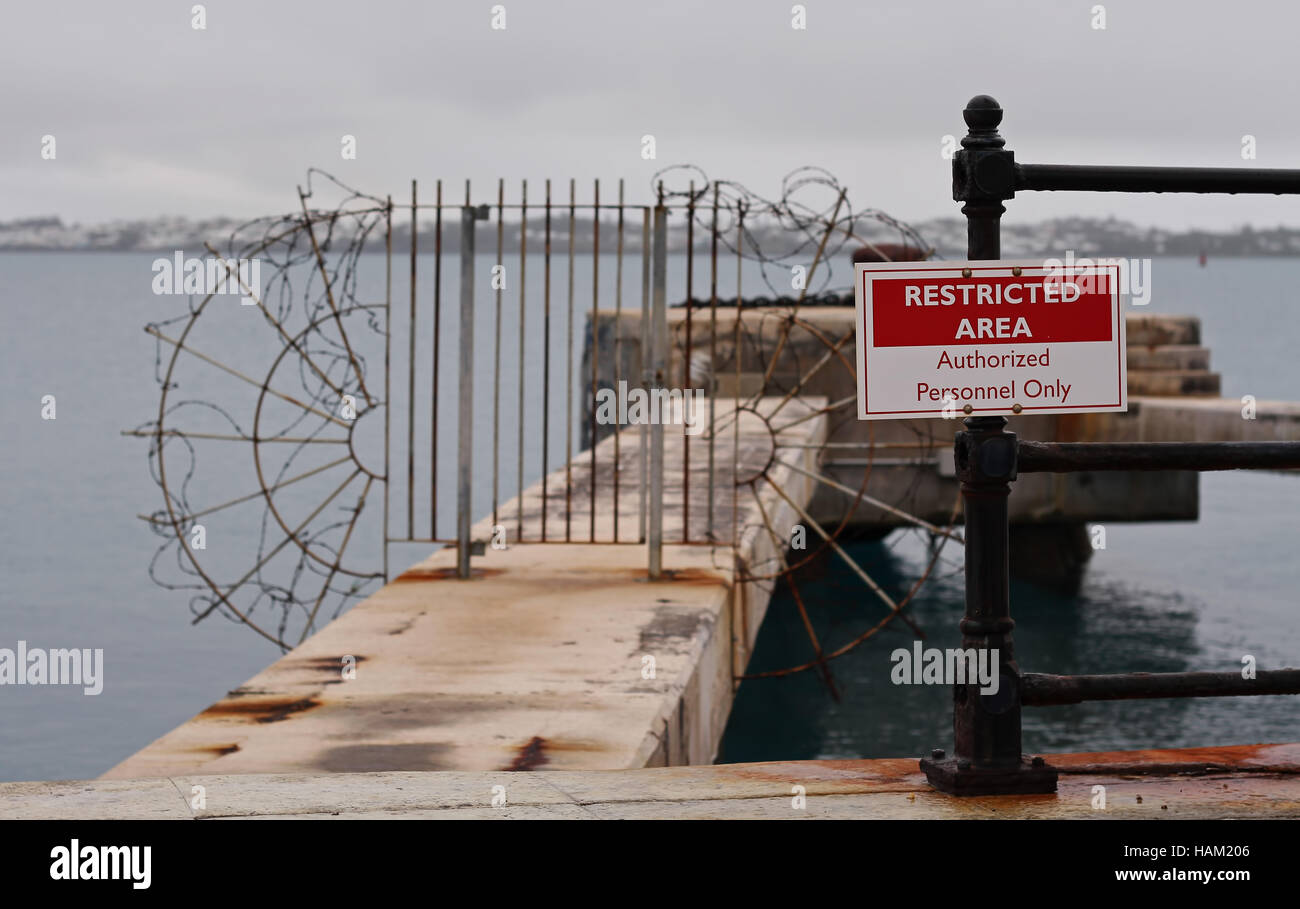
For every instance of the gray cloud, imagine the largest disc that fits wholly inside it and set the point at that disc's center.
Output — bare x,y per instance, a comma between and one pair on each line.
153,117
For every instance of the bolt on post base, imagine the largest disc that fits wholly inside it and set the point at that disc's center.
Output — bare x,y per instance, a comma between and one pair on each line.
958,776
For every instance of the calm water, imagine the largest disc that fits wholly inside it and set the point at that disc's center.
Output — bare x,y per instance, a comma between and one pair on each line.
1159,598
74,556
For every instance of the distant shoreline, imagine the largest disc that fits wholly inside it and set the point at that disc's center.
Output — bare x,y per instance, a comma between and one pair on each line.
1082,236
940,255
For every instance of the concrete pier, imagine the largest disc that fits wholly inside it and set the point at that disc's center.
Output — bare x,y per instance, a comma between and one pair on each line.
1249,781
554,655
1217,420
1165,358
563,657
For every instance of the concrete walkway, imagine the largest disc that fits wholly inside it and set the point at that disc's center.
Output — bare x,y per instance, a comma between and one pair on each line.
554,655
1259,781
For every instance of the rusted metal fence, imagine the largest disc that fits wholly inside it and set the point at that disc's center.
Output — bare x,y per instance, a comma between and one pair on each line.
568,371
490,374
986,727
513,228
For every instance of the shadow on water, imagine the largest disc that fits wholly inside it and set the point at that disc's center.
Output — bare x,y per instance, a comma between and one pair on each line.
1110,625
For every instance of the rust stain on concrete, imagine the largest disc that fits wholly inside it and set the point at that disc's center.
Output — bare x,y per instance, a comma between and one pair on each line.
244,691
880,774
531,755
1185,761
420,573
216,750
537,751
693,577
330,666
259,710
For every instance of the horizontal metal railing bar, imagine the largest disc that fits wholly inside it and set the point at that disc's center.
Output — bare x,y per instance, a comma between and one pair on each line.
1066,457
1040,690
534,206
556,206
1122,179
866,443
880,462
576,541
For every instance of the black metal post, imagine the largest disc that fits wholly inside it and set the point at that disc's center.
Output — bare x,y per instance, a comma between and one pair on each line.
1040,690
986,727
1064,457
983,176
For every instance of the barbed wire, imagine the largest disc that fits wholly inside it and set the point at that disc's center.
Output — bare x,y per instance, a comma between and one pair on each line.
314,258
822,230
326,368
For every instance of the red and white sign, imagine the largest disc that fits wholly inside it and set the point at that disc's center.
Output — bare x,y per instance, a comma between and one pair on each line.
988,338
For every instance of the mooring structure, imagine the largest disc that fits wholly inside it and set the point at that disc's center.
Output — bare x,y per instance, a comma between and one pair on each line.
988,756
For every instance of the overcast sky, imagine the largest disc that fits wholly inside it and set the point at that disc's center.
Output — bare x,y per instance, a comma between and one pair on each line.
153,117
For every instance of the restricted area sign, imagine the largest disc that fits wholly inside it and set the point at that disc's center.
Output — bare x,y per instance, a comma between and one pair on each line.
986,338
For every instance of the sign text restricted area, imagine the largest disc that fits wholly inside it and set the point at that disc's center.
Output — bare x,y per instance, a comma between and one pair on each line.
954,339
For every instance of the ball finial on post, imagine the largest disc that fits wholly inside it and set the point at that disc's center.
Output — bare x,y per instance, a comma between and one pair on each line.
983,114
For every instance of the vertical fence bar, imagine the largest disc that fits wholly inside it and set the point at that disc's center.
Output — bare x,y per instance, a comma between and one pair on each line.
981,736
388,358
659,347
437,360
410,390
618,345
713,351
568,385
546,361
993,739
523,272
646,374
739,566
465,410
686,363
595,342
496,359
986,728
735,413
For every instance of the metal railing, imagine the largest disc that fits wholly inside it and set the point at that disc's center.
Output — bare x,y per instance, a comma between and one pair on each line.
494,399
987,732
559,220
714,220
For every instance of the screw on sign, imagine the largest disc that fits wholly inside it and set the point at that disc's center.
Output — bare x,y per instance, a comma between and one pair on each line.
993,338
